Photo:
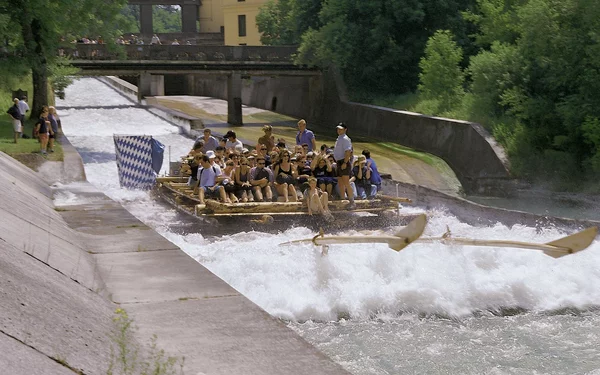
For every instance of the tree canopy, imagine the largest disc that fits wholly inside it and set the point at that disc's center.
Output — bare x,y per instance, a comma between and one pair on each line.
33,30
527,69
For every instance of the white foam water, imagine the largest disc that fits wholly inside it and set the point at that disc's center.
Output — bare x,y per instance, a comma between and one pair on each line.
430,308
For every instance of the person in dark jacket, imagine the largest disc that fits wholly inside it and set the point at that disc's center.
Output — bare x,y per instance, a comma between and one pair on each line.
15,115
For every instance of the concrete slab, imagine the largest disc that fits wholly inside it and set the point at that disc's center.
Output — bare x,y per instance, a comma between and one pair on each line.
157,276
17,358
248,341
25,179
131,240
102,221
53,314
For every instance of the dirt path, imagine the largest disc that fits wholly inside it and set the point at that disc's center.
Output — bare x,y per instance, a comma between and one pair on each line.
402,163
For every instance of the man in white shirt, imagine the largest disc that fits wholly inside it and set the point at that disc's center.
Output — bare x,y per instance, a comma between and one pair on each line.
343,154
23,108
233,144
208,184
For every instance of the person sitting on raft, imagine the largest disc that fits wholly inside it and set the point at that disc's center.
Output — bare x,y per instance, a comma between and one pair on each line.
316,200
285,177
261,179
207,186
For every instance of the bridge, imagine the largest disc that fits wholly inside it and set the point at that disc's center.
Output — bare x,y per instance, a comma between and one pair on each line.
151,62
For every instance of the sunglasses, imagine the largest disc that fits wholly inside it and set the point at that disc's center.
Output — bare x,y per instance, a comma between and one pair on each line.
264,149
230,164
243,164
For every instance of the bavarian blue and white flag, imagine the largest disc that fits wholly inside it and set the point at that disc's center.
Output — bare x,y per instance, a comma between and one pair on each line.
134,161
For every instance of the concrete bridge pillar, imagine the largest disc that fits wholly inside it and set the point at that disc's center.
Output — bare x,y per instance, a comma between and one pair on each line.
146,27
189,16
234,99
151,85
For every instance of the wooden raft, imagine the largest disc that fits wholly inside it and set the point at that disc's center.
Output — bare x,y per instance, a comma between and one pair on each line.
253,208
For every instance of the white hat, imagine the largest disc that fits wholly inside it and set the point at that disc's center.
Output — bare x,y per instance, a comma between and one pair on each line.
244,150
211,154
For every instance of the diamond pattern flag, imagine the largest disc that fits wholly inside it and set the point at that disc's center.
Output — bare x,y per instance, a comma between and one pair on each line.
134,161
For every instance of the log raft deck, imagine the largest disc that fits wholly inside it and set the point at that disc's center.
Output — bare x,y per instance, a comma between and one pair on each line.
176,191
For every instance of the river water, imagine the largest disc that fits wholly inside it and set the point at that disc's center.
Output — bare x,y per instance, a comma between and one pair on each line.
430,309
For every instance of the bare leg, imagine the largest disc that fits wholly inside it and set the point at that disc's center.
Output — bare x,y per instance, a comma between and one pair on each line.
51,144
330,191
268,192
258,193
223,195
325,202
201,196
292,191
282,189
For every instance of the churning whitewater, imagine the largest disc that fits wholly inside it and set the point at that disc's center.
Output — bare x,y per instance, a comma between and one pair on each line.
356,287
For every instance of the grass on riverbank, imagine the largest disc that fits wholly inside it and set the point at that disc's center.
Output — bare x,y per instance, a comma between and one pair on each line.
26,151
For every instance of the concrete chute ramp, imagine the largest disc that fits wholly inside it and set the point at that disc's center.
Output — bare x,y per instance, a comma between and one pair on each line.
64,271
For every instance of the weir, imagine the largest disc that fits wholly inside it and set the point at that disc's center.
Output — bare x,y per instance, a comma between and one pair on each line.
369,308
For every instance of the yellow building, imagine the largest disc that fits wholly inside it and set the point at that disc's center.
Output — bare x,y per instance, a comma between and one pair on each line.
236,18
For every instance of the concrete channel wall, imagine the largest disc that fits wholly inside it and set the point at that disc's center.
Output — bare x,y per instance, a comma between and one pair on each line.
65,269
478,161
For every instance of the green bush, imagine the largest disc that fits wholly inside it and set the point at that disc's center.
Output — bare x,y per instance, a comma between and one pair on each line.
441,77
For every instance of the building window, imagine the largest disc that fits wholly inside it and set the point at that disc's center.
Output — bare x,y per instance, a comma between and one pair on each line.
242,25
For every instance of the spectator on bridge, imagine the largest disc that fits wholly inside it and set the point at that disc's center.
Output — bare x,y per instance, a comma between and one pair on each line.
268,139
174,43
155,40
305,136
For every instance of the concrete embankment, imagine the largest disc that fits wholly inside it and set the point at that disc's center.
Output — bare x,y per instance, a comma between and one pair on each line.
64,271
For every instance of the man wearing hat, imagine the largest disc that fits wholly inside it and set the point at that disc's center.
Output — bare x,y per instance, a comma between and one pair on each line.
233,144
342,151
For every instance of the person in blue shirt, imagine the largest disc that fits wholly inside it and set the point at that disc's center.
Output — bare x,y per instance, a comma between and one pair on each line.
375,176
305,136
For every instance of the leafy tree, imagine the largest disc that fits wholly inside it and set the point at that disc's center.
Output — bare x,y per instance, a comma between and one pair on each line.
282,22
37,28
377,44
166,19
441,75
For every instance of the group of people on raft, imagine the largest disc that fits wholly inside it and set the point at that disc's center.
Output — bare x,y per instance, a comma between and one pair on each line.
225,169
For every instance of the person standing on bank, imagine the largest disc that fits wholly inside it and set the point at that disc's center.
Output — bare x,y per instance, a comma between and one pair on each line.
305,136
43,129
23,108
342,151
53,117
15,115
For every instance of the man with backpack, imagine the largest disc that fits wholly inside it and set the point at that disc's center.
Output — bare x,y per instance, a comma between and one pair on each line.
15,114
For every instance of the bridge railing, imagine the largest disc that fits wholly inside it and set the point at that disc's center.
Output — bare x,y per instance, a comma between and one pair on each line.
181,52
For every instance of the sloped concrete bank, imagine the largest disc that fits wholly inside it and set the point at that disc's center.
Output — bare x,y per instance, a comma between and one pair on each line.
64,271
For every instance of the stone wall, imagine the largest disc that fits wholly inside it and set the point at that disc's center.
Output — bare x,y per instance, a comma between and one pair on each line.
478,161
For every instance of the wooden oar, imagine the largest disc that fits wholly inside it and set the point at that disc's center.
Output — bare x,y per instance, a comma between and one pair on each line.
412,232
397,242
556,249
